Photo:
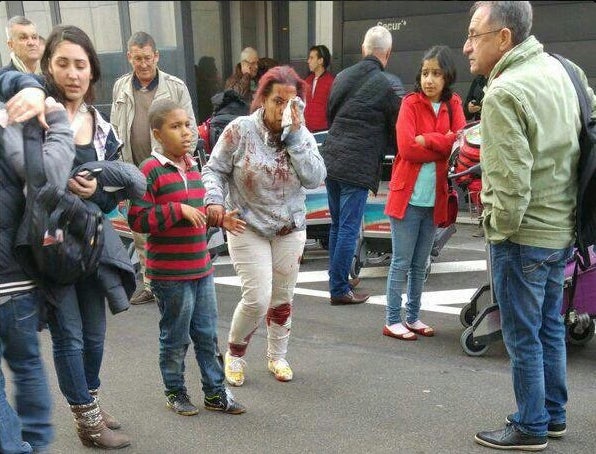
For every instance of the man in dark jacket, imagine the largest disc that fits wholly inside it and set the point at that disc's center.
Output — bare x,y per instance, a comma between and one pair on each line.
361,112
28,427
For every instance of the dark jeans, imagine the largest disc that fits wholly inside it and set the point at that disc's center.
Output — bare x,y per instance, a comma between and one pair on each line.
346,206
78,328
30,426
188,314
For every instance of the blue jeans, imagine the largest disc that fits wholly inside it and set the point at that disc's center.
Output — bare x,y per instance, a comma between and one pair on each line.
30,426
78,328
528,284
188,313
346,206
411,241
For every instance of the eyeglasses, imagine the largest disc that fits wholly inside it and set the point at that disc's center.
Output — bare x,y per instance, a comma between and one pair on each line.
473,38
251,63
144,59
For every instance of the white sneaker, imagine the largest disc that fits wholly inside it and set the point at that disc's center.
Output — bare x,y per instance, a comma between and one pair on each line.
281,369
234,369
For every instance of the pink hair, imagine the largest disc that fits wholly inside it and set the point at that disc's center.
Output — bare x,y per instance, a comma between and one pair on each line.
284,75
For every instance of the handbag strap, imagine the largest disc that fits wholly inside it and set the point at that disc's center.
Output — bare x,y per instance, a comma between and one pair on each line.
582,94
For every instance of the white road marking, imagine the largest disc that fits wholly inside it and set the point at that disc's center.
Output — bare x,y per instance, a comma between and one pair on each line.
441,301
223,260
381,271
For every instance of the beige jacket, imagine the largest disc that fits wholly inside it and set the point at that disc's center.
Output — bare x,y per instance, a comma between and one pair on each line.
123,108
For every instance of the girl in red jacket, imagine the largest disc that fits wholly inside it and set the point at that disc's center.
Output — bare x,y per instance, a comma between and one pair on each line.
417,202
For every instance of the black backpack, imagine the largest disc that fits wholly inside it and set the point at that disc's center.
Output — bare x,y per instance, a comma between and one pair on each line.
60,238
585,223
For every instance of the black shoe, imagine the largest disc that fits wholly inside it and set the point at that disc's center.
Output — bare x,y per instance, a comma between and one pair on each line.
349,298
224,401
181,404
511,438
555,429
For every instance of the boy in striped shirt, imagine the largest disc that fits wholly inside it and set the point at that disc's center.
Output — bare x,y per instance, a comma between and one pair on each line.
172,213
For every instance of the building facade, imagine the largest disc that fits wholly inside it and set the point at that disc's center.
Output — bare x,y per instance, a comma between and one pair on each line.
200,41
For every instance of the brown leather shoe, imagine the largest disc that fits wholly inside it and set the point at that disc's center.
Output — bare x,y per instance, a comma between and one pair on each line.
349,298
142,296
353,283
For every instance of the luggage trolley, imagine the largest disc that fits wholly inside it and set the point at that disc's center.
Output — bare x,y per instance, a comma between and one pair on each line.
318,218
481,317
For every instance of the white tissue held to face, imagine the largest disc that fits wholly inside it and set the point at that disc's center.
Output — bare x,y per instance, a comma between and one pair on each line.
286,119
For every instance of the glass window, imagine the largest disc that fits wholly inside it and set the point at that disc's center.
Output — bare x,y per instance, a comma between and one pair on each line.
4,52
100,20
155,18
298,14
39,14
208,54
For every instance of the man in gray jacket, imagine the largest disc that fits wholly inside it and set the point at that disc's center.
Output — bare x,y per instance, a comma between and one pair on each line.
132,97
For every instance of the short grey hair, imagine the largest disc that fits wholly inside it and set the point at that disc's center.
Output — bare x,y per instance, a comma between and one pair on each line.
17,20
247,52
140,40
516,16
377,39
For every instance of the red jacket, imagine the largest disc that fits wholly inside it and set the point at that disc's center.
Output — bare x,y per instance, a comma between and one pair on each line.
315,113
417,117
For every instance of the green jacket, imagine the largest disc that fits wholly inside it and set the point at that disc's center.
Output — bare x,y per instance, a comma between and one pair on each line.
530,126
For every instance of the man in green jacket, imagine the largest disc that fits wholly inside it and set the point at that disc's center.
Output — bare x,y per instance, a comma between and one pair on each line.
530,125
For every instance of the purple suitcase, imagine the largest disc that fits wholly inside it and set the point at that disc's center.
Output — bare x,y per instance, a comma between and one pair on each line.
579,318
585,291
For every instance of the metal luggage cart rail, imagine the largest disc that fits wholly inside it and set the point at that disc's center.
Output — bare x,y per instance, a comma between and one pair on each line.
481,317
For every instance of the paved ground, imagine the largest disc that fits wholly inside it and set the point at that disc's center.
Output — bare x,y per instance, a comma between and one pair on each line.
355,391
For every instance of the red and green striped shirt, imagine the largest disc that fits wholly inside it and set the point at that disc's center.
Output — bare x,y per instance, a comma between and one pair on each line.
175,249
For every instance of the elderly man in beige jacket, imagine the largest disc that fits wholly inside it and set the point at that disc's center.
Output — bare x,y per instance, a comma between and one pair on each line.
132,97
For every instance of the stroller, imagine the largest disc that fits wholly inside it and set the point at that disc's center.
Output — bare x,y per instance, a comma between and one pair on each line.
466,155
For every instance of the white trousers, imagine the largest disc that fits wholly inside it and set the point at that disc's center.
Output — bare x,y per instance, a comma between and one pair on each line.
268,269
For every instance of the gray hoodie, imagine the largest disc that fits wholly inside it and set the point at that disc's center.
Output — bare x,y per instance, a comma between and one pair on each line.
58,148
